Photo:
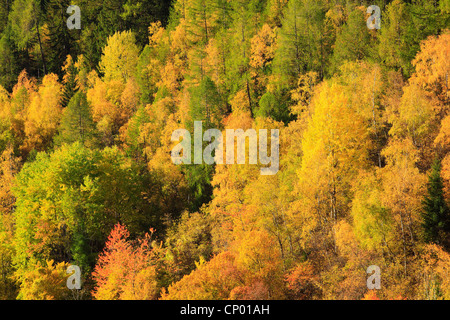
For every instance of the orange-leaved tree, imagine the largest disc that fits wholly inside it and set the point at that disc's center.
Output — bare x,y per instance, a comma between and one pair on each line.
126,270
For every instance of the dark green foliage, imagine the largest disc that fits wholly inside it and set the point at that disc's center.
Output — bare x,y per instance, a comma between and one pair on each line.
70,85
5,7
199,178
436,213
99,20
9,68
62,41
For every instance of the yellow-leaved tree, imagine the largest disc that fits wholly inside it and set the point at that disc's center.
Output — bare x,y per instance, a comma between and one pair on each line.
334,148
119,57
43,114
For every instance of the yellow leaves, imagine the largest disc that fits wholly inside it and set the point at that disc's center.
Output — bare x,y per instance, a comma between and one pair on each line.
143,286
262,53
432,65
335,131
443,138
371,219
44,282
66,69
345,239
364,83
275,11
336,17
335,143
403,187
401,153
334,149
20,98
304,92
258,257
254,263
414,115
263,47
5,108
129,99
97,98
214,62
119,58
44,113
256,252
445,174
213,280
179,39
240,102
112,104
170,76
156,32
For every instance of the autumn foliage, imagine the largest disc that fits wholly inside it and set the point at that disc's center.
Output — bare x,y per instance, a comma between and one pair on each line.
87,178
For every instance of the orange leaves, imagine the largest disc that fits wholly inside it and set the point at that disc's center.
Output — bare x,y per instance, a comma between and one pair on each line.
211,280
371,295
156,32
432,65
443,138
124,270
250,270
302,281
445,174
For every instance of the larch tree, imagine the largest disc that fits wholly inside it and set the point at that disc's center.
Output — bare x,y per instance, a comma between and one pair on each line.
334,148
76,123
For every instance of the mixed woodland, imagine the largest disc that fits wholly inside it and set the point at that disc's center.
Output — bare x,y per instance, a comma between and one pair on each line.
87,179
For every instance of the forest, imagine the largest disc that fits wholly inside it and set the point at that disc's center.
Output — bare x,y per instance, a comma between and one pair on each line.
87,179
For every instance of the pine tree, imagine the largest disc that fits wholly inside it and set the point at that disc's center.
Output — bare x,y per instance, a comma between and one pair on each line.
436,213
25,21
9,69
5,7
62,41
